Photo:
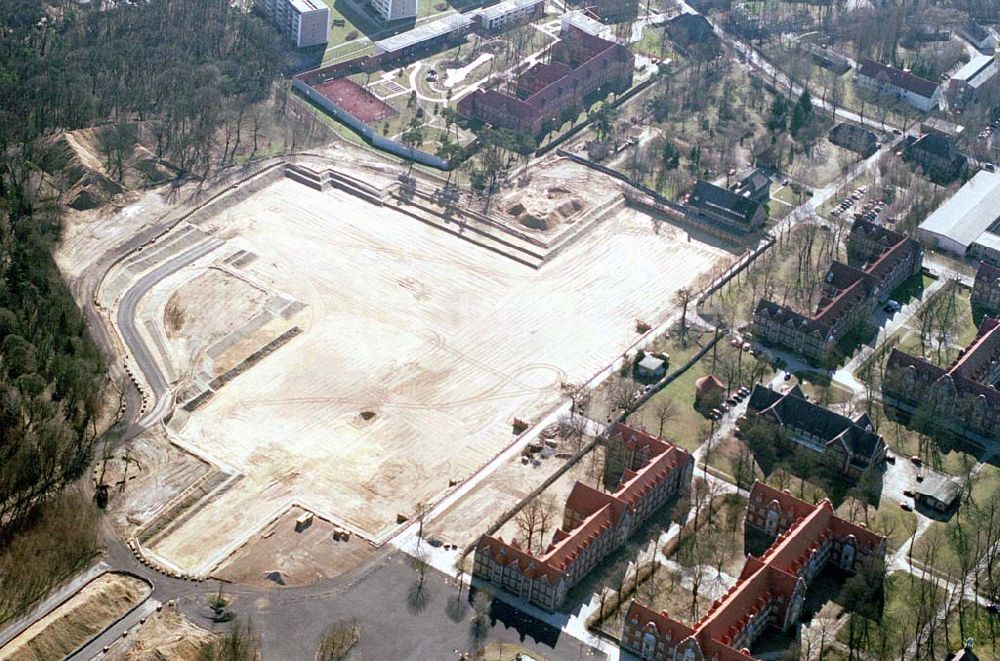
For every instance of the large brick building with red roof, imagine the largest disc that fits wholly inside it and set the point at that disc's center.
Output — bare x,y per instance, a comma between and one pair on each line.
962,398
594,522
770,590
879,260
580,65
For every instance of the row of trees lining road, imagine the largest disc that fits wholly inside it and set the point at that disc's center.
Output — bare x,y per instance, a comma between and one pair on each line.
188,71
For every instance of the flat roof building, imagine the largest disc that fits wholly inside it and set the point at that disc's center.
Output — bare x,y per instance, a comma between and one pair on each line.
395,10
966,82
304,22
426,34
963,224
509,11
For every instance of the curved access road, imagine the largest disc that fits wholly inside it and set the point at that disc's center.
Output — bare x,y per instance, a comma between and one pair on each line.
137,347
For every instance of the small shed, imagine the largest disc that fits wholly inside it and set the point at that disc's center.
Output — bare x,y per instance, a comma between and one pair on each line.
939,492
709,392
651,368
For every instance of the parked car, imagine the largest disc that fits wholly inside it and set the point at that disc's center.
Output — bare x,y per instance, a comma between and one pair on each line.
715,414
788,376
908,493
890,458
917,461
906,507
731,401
920,477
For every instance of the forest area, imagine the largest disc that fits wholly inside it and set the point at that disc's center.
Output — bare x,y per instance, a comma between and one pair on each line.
198,79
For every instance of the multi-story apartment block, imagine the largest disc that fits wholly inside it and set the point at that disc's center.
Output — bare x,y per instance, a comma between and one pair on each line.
594,522
961,399
304,22
508,13
771,589
986,288
919,92
880,259
580,65
394,10
850,445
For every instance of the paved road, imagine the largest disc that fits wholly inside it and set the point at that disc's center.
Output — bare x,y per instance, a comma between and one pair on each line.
137,347
756,59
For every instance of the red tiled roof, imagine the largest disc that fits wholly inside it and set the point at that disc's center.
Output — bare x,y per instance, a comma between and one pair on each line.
978,356
601,511
764,579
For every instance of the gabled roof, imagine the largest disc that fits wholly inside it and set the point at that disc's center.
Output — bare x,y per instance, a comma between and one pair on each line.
600,511
785,315
897,78
988,275
773,576
726,203
942,488
794,410
936,144
753,183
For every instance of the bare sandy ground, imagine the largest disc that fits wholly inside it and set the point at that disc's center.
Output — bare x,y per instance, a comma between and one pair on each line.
443,341
552,194
283,555
95,606
164,635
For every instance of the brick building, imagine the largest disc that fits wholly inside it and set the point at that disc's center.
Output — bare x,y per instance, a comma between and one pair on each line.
986,288
961,399
771,589
850,445
580,65
594,522
879,260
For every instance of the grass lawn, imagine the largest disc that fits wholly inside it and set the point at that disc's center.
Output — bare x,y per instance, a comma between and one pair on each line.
905,443
887,519
911,289
974,622
939,546
655,43
962,332
719,541
689,428
909,602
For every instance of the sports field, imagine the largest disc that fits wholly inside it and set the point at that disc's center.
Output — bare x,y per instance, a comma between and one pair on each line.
355,99
417,350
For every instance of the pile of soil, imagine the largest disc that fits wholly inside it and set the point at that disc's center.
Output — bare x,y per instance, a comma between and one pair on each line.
96,606
165,635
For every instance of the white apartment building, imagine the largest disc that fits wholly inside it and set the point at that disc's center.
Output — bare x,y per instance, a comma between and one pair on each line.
919,92
394,10
499,16
305,22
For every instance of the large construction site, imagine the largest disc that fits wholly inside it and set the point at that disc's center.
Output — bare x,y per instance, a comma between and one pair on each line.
336,339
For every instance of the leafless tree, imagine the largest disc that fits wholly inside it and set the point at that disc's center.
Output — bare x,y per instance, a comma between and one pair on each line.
665,411
621,391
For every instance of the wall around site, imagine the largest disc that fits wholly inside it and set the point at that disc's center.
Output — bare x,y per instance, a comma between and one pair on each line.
366,131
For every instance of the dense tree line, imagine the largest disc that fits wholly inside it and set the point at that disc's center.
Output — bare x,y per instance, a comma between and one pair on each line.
191,72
